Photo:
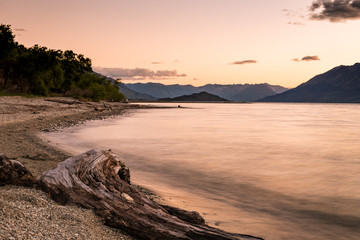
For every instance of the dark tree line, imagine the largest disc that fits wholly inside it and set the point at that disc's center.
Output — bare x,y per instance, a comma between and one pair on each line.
47,72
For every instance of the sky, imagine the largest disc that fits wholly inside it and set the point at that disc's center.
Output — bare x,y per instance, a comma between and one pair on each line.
195,42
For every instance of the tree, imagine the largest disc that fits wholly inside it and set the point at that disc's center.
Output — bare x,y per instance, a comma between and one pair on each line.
7,44
42,71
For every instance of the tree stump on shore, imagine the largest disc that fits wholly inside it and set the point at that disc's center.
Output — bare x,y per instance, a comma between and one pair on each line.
13,172
99,180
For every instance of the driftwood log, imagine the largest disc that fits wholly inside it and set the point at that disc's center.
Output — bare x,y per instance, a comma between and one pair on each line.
13,172
63,101
99,180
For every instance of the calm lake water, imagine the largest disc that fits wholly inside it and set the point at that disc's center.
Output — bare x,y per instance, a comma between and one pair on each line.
277,171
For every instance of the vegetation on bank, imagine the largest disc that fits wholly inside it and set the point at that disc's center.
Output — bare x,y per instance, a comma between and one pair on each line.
47,72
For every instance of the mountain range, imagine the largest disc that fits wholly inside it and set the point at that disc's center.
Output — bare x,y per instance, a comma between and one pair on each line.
131,94
339,85
196,97
235,92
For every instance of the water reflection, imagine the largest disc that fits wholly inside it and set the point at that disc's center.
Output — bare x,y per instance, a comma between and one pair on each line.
279,171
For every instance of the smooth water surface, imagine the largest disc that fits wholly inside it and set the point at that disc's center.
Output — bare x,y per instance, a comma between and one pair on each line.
277,171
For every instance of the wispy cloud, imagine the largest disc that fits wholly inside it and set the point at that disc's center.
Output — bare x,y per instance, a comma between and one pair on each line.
296,23
156,63
138,73
307,59
296,17
335,11
243,62
20,29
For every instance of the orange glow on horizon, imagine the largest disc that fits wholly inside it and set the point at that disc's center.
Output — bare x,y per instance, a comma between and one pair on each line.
196,38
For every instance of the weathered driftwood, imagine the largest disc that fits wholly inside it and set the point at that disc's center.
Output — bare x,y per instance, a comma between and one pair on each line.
63,100
13,172
99,180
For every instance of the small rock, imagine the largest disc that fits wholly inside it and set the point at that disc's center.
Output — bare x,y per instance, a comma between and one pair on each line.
13,172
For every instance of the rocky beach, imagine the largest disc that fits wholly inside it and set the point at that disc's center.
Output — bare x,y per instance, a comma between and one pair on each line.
28,213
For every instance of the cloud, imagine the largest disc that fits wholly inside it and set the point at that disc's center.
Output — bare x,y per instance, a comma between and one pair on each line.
296,23
307,59
335,11
296,17
243,62
310,58
299,13
138,73
156,63
20,30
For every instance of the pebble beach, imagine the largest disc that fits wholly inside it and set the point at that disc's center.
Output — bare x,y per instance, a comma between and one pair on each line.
28,213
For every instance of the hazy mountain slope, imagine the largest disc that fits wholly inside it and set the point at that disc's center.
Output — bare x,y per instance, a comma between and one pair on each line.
224,91
133,95
278,89
253,93
232,92
340,84
159,90
197,97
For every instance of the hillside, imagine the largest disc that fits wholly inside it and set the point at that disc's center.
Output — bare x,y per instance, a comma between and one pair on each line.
339,85
234,92
133,95
159,90
196,97
253,93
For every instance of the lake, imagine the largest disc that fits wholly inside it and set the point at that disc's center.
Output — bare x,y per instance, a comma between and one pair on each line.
272,170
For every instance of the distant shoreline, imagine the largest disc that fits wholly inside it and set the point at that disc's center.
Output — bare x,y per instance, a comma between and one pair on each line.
229,102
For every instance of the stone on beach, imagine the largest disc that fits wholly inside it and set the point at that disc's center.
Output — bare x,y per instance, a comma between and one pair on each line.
13,172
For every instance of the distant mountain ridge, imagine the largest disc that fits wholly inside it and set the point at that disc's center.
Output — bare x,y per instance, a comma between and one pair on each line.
235,92
339,85
196,97
131,94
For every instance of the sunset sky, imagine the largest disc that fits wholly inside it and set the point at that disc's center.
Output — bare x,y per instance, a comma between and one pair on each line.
195,42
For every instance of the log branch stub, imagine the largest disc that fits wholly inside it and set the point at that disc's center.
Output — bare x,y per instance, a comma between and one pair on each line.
99,180
187,216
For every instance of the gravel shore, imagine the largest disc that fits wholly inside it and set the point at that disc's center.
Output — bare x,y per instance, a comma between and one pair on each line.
29,213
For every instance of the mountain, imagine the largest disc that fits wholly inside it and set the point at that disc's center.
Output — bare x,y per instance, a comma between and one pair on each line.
253,93
159,90
234,92
243,92
278,89
225,91
339,85
133,95
196,97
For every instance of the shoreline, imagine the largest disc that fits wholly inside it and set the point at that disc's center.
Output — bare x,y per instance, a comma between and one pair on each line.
27,213
20,140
